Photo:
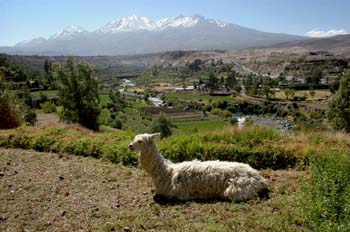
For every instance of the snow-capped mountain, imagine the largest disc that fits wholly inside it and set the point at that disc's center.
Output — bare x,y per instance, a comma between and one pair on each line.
136,23
69,32
132,23
137,34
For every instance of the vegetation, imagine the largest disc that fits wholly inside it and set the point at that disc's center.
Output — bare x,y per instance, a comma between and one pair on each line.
162,125
9,113
327,193
339,106
78,94
314,161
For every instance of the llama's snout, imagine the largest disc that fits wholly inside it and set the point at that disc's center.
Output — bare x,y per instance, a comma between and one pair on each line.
131,147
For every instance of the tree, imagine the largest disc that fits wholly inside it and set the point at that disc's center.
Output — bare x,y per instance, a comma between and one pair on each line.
231,80
314,77
266,91
115,102
195,66
339,107
162,125
48,73
77,91
212,83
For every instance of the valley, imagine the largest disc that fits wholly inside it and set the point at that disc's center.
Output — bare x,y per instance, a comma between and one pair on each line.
275,98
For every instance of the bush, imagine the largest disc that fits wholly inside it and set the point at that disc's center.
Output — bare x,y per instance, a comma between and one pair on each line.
216,111
327,193
30,117
162,125
112,146
48,107
255,146
10,116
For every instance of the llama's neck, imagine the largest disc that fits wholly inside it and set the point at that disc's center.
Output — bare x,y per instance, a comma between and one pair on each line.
153,162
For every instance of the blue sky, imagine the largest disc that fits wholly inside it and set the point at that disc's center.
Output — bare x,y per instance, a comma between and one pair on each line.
28,19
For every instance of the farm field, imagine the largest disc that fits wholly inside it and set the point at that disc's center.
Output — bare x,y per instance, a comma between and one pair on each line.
201,98
319,95
200,126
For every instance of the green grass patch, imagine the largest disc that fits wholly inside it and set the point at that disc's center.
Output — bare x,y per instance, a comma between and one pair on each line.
199,126
103,99
49,93
199,97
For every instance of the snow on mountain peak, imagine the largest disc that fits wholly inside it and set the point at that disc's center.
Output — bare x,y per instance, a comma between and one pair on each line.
180,21
69,31
135,23
132,23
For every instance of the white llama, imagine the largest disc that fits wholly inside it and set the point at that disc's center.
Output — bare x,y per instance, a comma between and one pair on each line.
195,179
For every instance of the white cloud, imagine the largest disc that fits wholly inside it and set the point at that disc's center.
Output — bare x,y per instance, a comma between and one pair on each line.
332,32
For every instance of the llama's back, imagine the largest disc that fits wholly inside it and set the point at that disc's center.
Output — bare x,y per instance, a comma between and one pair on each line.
213,178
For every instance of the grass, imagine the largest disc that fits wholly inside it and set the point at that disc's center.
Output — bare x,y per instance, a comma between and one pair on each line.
49,93
258,146
101,196
199,126
319,94
204,98
103,99
109,144
307,174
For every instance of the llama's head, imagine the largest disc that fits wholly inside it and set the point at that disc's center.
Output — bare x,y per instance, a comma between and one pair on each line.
142,141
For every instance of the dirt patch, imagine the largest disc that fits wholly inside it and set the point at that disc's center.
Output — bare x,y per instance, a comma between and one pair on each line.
47,120
51,192
52,120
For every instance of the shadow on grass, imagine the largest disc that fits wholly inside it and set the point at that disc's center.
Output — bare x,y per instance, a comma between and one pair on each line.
162,200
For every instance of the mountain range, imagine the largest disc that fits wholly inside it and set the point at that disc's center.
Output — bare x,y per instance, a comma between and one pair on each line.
138,35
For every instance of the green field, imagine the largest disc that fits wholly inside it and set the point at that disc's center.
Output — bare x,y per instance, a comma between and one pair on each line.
199,97
103,99
49,93
199,126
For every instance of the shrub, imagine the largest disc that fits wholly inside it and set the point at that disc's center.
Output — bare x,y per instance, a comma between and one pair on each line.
10,116
162,125
216,111
48,107
327,193
30,117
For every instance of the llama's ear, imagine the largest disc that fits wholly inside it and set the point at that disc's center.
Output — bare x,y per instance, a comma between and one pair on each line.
155,136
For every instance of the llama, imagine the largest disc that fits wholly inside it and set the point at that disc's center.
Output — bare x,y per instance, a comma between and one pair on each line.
197,180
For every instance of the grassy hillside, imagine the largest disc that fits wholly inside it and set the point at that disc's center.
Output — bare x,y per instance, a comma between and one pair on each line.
307,174
47,192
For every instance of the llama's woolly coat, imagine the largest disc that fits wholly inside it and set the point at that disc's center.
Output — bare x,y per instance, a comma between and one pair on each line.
195,179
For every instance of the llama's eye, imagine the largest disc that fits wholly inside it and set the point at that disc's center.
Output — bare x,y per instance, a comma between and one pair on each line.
138,141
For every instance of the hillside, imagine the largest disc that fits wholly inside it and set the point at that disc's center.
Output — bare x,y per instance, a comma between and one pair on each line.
50,192
339,45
